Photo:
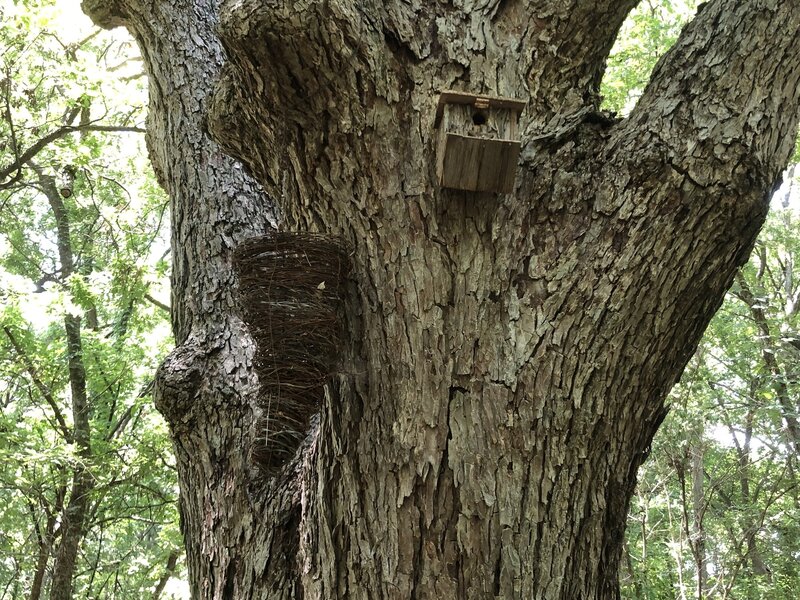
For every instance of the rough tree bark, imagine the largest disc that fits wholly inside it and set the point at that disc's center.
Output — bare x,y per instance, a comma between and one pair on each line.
508,356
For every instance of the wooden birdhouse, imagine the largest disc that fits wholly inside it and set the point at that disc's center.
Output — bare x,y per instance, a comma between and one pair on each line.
478,142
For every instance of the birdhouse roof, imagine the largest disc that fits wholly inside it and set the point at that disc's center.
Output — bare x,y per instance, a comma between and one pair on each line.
478,100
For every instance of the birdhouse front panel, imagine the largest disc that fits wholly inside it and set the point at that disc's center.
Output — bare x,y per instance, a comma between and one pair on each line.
479,143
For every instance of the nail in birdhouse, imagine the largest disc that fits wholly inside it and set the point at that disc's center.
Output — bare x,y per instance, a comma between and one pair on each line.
478,142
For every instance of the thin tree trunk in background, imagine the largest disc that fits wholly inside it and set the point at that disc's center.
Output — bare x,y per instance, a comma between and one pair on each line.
41,566
45,543
747,537
14,580
751,528
45,538
169,572
788,406
507,356
698,531
637,584
678,556
73,517
645,521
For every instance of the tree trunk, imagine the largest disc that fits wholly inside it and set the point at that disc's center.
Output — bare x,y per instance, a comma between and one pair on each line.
45,539
73,516
507,356
698,534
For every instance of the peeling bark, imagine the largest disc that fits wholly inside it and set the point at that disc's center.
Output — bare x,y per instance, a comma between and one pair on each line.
508,355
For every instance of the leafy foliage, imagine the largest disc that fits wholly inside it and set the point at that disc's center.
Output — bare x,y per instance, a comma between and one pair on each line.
650,30
735,407
82,235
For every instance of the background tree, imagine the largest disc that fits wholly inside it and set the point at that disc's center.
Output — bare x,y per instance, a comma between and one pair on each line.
508,356
87,485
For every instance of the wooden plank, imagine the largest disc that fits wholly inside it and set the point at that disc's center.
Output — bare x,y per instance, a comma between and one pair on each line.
498,170
490,170
462,158
509,175
478,164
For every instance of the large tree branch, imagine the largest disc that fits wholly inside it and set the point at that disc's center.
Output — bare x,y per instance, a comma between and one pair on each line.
568,44
727,93
686,180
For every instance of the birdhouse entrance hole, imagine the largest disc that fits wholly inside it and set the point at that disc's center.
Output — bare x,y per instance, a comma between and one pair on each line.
479,142
479,118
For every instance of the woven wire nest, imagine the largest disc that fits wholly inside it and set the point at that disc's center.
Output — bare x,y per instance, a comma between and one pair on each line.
291,286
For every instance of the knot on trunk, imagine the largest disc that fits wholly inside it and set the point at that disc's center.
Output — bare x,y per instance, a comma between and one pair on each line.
178,380
291,286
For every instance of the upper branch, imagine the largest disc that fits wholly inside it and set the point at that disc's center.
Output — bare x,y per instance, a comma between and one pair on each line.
285,38
25,157
288,62
568,44
728,91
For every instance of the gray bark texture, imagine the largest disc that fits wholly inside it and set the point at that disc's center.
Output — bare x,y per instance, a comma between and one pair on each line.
508,356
